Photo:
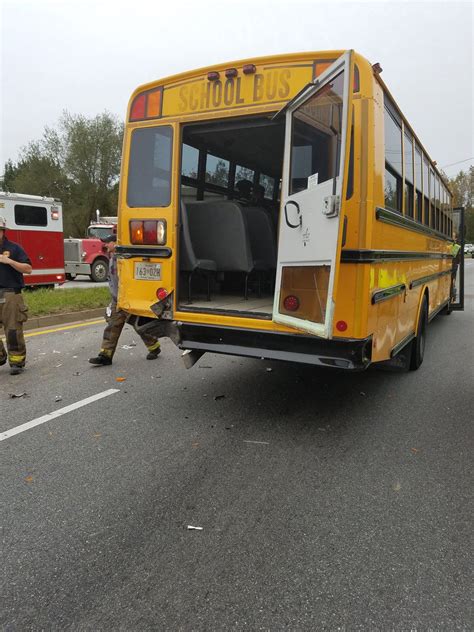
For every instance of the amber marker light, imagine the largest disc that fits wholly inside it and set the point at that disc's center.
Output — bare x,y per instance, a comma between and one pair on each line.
136,232
154,104
213,76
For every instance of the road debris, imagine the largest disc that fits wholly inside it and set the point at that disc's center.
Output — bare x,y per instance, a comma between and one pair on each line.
58,398
77,373
191,528
269,370
415,450
17,395
258,442
202,366
28,479
120,379
128,346
216,397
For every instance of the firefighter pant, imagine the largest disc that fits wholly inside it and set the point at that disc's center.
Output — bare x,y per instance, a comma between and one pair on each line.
115,323
13,313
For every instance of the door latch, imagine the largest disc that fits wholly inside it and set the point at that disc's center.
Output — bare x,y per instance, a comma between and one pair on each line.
331,205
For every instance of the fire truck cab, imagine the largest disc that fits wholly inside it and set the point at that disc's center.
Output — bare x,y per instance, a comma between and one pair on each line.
36,223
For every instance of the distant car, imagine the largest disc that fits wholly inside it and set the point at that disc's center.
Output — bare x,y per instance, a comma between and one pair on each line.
468,249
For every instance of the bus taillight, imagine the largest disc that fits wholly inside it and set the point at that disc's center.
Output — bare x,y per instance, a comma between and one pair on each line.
291,303
149,231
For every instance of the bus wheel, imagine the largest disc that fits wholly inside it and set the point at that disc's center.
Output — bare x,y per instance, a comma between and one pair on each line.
418,344
99,270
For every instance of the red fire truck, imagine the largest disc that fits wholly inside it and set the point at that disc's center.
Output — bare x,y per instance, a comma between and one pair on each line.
89,256
36,223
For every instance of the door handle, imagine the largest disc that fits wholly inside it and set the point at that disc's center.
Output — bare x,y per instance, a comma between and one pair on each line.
297,210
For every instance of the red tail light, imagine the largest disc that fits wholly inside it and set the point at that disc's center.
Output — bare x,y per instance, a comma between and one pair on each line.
161,294
341,325
291,303
149,232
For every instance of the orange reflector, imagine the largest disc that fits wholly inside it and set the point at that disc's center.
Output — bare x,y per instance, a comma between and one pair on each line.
341,325
321,66
154,103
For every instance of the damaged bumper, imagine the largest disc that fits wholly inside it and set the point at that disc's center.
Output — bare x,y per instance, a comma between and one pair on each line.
196,339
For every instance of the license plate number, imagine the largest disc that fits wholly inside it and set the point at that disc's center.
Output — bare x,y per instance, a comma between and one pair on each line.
147,271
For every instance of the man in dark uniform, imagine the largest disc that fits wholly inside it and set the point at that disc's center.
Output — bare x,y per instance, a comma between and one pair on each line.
14,263
116,318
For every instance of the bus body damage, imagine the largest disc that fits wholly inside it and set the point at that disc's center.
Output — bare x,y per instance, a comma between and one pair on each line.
196,339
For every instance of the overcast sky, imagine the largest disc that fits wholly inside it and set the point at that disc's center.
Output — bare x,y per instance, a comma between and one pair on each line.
87,57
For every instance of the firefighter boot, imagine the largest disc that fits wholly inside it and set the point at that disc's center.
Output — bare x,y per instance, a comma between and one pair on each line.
101,360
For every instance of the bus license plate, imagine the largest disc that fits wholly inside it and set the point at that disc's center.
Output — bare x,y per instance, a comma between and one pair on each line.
147,271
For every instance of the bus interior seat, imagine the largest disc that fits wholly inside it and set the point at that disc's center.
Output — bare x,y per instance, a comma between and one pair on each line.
189,262
262,237
219,232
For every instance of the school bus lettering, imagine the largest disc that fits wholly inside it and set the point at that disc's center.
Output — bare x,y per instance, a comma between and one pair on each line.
284,90
265,86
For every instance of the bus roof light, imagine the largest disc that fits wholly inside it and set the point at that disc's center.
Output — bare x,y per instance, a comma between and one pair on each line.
377,68
213,76
249,69
137,111
231,72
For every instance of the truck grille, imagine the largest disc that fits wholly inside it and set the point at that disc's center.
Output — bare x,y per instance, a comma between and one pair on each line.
72,250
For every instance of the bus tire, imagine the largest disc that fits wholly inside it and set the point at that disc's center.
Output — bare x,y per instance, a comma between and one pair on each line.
419,343
99,270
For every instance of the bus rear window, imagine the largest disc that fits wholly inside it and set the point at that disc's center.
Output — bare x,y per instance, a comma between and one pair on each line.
149,170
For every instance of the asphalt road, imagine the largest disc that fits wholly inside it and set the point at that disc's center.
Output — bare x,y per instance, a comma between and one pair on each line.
327,500
81,281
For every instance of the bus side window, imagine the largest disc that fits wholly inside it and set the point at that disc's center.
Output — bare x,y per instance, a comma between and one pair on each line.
393,163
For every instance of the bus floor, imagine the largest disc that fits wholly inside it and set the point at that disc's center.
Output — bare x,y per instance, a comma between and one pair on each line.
231,303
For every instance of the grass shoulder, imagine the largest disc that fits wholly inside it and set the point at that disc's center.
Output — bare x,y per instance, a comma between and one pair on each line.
44,302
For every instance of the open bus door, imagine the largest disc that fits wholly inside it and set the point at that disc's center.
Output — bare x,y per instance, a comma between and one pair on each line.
460,228
310,229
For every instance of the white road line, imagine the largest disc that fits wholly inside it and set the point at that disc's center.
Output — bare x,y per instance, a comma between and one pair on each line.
57,413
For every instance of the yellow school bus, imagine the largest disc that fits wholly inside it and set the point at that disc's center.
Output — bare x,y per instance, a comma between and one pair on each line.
282,207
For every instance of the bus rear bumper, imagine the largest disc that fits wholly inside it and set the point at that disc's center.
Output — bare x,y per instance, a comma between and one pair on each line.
352,354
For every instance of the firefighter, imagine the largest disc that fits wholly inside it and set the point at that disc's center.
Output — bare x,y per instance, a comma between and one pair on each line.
116,318
14,263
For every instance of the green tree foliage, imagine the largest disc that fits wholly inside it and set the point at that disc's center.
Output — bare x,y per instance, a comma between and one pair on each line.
78,162
462,185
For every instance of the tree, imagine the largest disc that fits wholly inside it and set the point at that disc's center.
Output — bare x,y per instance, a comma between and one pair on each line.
462,186
8,176
77,162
